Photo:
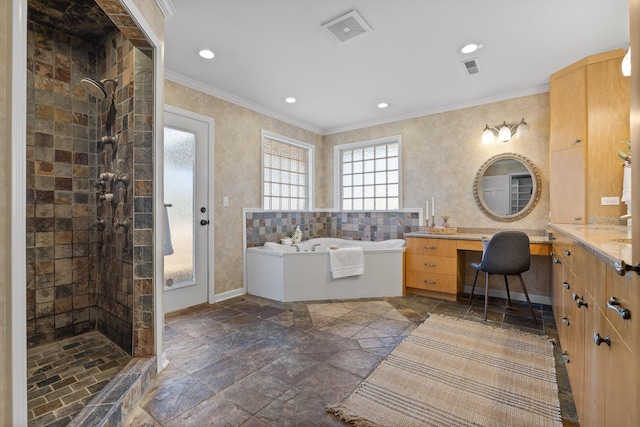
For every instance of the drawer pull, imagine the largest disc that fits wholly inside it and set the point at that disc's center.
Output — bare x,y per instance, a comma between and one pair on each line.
567,252
565,285
579,300
430,282
614,305
564,357
426,264
577,141
599,340
565,320
428,247
557,261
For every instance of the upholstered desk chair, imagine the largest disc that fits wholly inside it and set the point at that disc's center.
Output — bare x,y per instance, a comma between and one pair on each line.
507,254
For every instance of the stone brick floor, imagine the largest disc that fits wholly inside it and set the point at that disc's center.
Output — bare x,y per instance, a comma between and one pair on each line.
254,362
65,375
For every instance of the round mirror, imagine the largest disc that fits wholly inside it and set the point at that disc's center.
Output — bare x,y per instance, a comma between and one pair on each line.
507,187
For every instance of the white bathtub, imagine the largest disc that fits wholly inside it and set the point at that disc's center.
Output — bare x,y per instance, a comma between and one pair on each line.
281,273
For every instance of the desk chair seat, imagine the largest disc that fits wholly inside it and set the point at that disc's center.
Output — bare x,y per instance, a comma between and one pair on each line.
506,254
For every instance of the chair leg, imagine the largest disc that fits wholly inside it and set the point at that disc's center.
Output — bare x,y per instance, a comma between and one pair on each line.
473,287
533,313
486,297
506,285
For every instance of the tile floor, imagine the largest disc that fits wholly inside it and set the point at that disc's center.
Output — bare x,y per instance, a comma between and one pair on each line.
62,377
254,362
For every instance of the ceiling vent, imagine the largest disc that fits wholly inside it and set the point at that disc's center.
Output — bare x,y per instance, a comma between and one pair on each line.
471,66
346,27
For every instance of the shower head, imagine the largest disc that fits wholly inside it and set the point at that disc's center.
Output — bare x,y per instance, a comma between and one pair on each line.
96,88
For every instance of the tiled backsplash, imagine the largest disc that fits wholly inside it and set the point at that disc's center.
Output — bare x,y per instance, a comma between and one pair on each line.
265,227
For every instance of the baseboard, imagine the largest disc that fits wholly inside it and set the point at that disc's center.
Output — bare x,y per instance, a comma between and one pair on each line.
228,295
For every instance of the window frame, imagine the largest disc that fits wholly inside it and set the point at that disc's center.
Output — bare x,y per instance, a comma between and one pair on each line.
310,148
337,170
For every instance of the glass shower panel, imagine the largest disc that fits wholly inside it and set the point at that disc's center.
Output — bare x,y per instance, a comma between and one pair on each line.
179,178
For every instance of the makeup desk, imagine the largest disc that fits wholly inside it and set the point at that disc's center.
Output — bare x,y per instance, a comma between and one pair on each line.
435,263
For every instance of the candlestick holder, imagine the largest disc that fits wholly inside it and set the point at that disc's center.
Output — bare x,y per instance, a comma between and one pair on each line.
433,221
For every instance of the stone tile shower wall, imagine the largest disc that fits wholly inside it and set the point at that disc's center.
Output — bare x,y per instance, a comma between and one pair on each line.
114,257
61,154
265,227
124,290
82,275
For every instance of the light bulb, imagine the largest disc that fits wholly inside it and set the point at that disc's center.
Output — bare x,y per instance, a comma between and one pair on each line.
523,129
626,63
487,135
505,133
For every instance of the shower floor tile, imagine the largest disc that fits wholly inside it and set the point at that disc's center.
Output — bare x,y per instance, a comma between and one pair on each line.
62,377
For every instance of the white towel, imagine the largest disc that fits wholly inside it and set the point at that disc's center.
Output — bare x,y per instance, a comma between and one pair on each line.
626,185
168,246
346,262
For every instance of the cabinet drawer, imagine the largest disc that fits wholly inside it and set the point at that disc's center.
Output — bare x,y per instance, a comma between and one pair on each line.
431,264
432,247
432,281
621,288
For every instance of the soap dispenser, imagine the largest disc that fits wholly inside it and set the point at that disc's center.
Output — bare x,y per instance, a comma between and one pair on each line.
297,235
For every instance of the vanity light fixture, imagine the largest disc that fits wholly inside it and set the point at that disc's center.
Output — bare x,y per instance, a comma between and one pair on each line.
626,63
505,132
206,54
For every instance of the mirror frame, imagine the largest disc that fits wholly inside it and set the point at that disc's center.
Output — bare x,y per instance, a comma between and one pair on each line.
535,196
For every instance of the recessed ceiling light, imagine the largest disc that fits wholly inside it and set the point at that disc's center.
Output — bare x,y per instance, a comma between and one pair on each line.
470,48
383,105
206,53
290,100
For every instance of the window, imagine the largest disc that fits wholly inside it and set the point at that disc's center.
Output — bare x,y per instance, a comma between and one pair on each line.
369,174
286,177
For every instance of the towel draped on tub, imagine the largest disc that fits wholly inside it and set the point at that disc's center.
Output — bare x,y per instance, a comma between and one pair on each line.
346,262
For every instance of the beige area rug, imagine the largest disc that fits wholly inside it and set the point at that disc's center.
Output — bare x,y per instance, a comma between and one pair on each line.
452,372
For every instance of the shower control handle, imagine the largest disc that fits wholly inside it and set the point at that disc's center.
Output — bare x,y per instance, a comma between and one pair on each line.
204,222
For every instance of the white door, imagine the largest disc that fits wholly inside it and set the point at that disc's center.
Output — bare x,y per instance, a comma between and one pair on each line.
495,191
186,200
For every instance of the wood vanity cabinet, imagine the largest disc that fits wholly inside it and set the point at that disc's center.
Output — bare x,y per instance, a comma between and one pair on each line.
600,367
589,120
431,265
569,312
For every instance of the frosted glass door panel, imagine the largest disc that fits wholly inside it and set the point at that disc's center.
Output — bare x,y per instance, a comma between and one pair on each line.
179,172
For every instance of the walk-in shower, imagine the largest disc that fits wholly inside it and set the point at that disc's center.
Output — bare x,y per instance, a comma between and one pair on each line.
89,205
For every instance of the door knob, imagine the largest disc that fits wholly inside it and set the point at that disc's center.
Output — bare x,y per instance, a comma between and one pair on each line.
204,222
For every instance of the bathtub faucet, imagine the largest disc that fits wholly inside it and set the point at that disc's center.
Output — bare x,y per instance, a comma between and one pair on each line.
297,248
313,248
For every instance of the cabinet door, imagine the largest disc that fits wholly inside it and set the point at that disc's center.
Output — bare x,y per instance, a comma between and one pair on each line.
567,189
568,110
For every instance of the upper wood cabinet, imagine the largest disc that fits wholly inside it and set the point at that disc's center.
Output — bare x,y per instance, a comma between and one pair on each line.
568,109
589,121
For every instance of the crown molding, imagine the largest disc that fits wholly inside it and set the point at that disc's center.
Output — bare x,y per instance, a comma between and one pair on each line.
194,84
167,7
443,109
199,86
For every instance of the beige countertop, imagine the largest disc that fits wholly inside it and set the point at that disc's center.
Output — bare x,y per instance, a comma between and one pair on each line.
601,240
475,236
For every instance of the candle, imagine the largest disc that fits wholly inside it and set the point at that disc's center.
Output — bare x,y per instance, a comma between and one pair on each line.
426,214
433,206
